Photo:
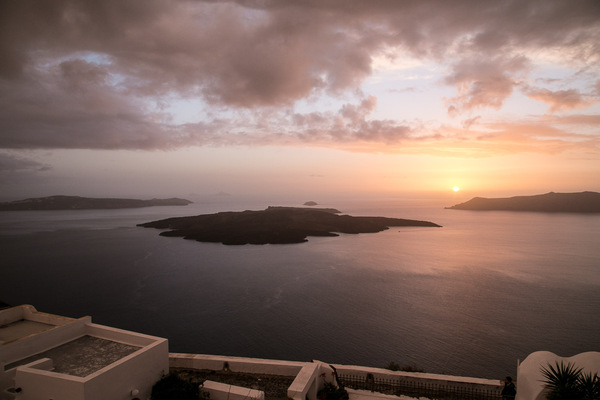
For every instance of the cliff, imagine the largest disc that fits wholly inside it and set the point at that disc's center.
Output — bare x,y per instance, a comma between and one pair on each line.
583,202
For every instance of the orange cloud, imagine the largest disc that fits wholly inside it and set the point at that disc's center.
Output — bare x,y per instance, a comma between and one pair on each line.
559,100
483,83
93,75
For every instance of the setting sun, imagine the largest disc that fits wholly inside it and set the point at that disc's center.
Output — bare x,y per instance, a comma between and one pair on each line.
456,188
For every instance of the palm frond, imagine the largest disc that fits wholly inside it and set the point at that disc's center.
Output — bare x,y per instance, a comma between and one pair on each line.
589,386
562,380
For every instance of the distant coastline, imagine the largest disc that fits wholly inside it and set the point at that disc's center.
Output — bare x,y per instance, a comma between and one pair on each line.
275,225
582,202
86,203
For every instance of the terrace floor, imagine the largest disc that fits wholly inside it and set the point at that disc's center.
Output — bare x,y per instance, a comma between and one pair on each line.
20,329
81,357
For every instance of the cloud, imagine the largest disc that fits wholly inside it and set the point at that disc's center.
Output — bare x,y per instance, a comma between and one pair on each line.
96,74
53,117
15,163
581,120
483,83
559,100
467,123
409,89
551,136
597,88
348,126
227,53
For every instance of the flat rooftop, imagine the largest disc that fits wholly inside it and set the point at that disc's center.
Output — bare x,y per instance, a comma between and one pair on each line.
81,357
19,329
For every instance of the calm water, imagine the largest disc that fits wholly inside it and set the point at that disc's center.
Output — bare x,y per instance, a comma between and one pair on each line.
470,298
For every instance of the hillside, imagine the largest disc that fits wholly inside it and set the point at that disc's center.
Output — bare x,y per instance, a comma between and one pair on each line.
86,203
582,202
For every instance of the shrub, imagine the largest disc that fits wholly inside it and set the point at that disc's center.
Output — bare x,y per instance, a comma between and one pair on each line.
567,382
172,387
393,366
589,386
332,392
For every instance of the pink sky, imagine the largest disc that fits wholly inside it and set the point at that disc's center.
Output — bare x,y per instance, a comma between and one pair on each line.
309,98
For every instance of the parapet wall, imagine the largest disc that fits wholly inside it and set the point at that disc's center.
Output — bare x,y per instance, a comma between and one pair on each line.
310,376
38,343
29,312
222,391
387,375
119,335
235,364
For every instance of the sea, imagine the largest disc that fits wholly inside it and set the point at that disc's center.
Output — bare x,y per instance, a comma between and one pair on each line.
471,298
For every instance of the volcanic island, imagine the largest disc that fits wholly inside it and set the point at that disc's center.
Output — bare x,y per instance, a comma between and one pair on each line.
274,225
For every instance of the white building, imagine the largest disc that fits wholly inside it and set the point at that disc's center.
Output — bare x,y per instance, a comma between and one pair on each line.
531,380
44,356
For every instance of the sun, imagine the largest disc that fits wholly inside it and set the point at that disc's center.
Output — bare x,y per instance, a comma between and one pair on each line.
456,188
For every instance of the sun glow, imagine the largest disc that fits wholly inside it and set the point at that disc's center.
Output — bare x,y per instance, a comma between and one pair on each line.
456,188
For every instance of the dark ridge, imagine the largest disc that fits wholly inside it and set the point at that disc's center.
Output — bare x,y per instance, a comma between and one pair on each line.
86,203
582,202
275,225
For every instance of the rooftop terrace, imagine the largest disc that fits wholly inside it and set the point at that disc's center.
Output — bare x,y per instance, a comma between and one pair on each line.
83,356
22,328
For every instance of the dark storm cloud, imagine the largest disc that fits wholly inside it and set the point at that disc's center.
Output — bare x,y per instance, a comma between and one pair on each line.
94,74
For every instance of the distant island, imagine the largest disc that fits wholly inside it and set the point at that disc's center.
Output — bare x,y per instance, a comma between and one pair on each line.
311,203
86,203
582,202
275,225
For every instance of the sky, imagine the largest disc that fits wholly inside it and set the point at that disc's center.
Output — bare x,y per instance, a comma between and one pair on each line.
315,98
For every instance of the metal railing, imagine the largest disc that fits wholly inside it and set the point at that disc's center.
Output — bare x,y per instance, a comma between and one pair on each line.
420,388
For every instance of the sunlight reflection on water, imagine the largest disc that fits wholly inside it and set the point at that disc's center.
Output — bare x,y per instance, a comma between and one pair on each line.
469,298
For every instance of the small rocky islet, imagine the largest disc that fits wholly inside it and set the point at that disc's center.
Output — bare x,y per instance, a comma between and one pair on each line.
274,225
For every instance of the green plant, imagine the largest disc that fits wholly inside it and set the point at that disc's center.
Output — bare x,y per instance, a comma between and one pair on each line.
172,387
411,368
567,382
589,386
394,366
332,392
